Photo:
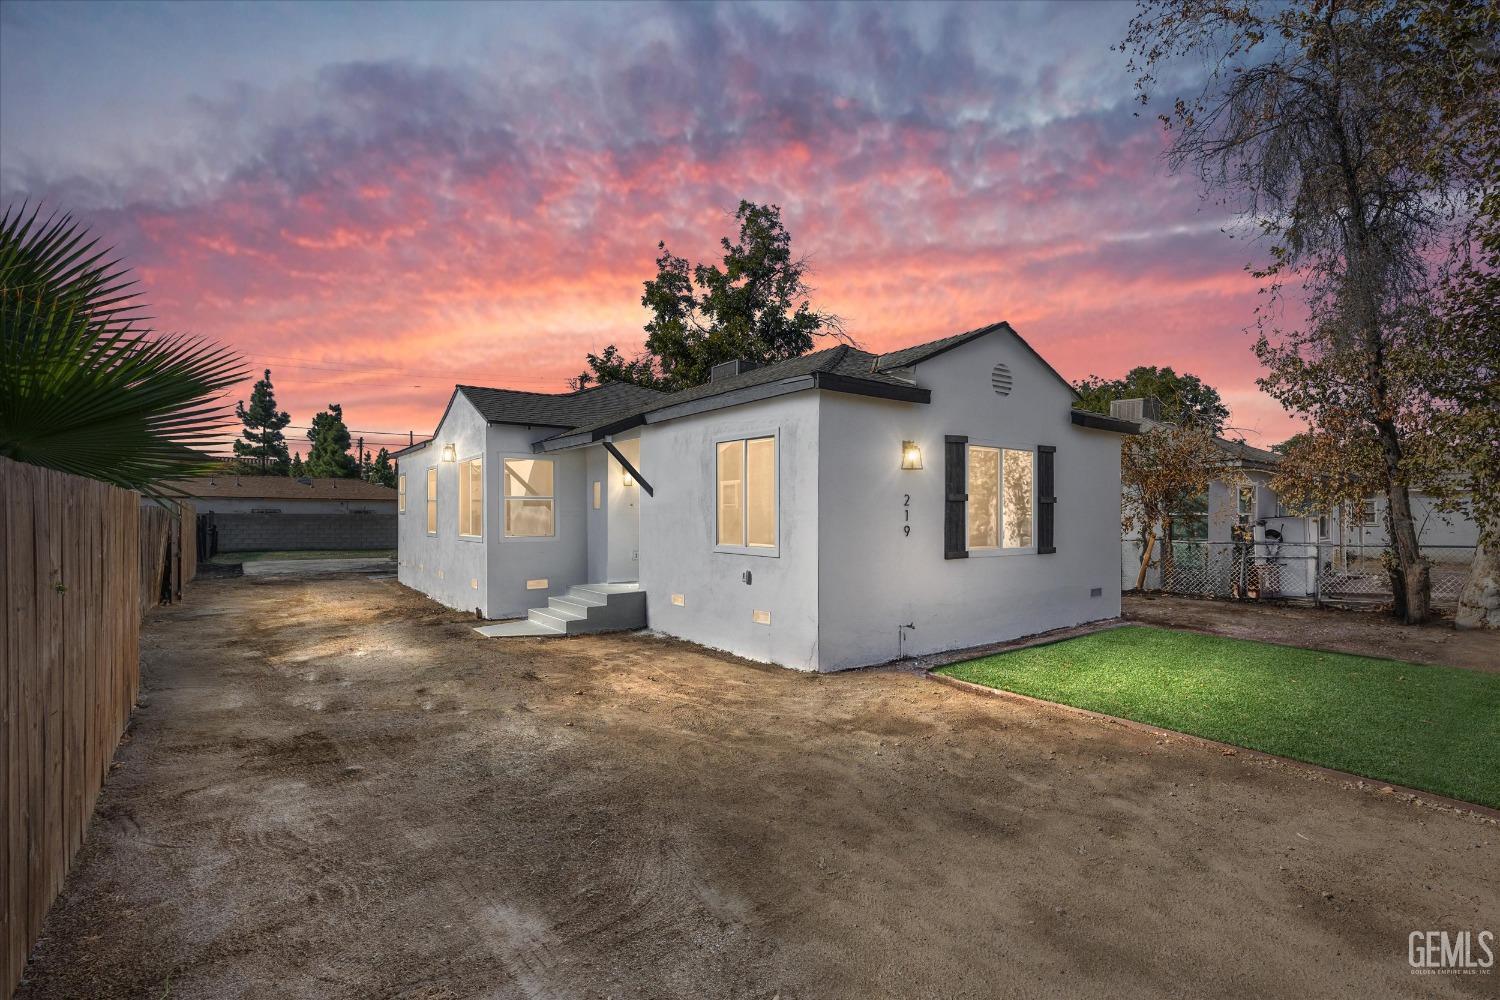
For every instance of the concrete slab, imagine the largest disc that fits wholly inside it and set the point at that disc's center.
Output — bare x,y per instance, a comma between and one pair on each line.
317,567
519,629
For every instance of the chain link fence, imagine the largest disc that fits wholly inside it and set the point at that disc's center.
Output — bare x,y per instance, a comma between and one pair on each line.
1343,574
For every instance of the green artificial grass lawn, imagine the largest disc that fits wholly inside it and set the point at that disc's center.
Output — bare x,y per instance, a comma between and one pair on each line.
1434,728
244,557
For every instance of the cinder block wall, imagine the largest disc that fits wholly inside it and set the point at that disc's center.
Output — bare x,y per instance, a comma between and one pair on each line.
262,532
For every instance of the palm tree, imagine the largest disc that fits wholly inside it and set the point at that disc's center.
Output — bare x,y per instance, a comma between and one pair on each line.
84,388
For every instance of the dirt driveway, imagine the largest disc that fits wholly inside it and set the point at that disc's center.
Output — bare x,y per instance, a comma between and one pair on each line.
1365,633
337,790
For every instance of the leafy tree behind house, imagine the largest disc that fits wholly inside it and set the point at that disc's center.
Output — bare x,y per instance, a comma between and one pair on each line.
1323,126
1163,470
1184,398
754,306
261,447
329,455
86,389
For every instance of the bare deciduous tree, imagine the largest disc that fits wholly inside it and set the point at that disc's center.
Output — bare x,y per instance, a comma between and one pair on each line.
1315,126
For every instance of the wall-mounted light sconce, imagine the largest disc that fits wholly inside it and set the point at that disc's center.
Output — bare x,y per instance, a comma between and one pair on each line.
450,454
911,455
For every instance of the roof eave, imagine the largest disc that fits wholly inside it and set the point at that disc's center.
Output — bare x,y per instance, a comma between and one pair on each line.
1099,422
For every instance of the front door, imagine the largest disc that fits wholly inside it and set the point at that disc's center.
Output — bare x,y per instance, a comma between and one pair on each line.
623,558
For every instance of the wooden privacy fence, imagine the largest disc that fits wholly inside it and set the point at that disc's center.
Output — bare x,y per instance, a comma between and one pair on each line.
80,562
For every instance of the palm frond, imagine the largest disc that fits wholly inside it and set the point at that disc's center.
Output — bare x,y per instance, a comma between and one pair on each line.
84,388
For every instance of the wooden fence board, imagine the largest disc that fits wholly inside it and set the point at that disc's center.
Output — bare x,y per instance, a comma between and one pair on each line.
80,564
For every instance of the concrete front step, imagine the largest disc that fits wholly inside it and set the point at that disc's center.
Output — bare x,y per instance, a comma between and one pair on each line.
590,607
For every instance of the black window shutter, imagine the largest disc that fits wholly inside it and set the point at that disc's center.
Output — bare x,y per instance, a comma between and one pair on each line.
1046,499
955,505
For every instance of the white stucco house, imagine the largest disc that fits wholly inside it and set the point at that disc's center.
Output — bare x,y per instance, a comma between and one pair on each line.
835,510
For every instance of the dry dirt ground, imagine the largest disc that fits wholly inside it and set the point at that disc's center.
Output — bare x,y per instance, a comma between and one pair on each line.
1367,633
337,790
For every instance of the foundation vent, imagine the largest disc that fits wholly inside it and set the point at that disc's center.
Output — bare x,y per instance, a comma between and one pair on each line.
536,584
1001,380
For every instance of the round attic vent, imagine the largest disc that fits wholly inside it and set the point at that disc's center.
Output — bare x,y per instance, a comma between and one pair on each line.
1001,380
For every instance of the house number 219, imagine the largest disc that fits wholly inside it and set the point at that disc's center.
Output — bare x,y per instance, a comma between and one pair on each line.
906,515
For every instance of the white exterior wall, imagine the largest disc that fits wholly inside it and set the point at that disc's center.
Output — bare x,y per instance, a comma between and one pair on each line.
677,535
597,464
561,560
1434,527
875,578
449,569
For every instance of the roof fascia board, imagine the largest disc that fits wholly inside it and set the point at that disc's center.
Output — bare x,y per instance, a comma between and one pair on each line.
835,382
1099,422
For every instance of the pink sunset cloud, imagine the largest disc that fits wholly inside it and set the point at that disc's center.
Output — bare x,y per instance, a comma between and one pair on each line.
380,230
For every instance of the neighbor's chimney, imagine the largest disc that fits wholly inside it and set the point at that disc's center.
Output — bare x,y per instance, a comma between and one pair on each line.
1136,410
725,369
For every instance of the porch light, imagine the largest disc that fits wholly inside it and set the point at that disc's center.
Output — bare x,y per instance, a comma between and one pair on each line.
450,454
911,455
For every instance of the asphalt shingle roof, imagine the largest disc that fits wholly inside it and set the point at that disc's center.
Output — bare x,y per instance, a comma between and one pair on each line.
573,409
843,360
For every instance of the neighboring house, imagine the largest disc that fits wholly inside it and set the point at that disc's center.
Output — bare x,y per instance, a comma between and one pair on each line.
259,513
1344,546
1229,511
831,511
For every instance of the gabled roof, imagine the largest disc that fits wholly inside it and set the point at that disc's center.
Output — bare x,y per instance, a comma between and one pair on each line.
595,413
1244,454
908,356
280,488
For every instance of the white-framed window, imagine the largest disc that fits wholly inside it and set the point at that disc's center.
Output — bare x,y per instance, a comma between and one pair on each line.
432,500
401,493
529,498
1247,504
598,494
745,494
1325,523
471,498
1001,509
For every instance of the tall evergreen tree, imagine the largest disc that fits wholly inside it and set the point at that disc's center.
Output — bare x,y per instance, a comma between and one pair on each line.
297,470
329,457
261,448
383,471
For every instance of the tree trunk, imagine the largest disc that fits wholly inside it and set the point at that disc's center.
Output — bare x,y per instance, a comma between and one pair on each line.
1140,578
1411,578
1479,604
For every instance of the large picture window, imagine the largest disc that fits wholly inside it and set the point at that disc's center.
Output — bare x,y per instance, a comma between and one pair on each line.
471,498
529,498
746,493
432,500
1001,489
